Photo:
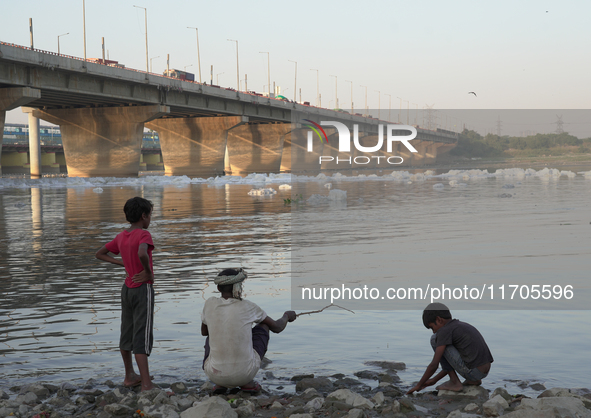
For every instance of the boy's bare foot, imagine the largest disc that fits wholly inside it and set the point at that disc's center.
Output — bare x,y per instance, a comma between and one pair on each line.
472,382
132,380
147,387
449,385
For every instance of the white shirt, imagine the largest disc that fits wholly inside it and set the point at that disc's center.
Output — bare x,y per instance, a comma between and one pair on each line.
232,361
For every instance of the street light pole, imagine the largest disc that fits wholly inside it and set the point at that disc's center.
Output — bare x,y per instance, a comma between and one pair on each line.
379,104
389,107
351,94
295,83
58,41
151,61
400,111
268,71
317,87
84,25
217,79
198,57
146,26
365,98
336,98
237,66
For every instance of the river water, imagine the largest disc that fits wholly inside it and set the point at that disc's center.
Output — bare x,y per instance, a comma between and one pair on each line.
59,306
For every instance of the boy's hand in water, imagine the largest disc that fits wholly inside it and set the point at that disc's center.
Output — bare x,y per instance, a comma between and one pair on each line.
143,277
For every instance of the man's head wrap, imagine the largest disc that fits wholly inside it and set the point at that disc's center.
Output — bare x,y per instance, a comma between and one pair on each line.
235,280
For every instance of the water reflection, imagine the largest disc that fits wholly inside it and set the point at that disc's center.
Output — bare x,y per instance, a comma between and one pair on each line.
59,304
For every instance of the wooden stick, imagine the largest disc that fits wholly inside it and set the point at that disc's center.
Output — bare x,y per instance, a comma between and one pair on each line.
332,304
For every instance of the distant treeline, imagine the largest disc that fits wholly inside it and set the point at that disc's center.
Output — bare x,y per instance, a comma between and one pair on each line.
472,144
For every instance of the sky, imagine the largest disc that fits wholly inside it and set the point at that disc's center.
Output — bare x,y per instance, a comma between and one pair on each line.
405,54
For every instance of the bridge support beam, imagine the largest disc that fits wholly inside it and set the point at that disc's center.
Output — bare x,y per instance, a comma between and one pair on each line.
102,142
256,148
194,147
11,98
296,158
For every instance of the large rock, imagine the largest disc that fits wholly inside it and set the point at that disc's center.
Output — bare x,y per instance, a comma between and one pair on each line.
562,392
318,383
495,407
213,407
388,365
350,398
162,411
560,405
469,392
119,410
503,392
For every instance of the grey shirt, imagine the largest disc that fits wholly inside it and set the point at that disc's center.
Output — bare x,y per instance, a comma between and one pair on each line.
467,340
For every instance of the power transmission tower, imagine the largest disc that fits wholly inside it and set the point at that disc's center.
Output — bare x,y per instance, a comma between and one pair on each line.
559,123
499,123
431,117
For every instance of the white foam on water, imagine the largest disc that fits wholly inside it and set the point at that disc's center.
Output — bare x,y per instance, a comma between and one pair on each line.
545,174
263,192
285,187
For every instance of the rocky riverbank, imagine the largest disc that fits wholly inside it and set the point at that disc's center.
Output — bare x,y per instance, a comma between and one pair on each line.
331,396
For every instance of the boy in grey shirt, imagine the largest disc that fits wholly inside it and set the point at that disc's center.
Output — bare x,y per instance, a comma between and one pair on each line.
458,346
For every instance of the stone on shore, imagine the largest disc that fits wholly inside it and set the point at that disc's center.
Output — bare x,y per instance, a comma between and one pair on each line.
475,392
213,407
319,383
350,398
495,407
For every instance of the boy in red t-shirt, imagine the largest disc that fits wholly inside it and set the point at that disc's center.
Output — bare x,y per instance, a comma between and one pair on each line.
137,294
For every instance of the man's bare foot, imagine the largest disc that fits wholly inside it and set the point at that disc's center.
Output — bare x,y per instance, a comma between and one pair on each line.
449,385
472,382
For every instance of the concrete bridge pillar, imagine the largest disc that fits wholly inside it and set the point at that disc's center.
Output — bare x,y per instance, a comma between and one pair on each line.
401,150
194,147
431,152
102,142
419,157
34,145
11,98
256,148
296,158
340,160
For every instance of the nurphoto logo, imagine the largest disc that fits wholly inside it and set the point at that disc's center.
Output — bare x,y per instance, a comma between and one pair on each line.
345,142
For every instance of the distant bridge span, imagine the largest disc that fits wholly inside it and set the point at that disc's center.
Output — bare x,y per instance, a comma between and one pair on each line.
102,112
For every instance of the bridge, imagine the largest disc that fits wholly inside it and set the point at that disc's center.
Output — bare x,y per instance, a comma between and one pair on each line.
102,112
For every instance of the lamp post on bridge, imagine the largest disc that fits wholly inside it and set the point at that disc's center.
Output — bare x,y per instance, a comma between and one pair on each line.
84,25
217,79
268,71
198,58
379,104
348,81
336,98
146,26
389,106
58,41
153,58
317,87
365,98
295,83
187,66
400,111
237,66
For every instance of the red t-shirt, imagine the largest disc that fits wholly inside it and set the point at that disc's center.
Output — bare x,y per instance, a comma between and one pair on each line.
128,243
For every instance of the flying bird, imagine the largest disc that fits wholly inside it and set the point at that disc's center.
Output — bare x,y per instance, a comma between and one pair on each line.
471,92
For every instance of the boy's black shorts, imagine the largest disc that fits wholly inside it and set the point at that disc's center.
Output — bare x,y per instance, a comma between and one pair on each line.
137,318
